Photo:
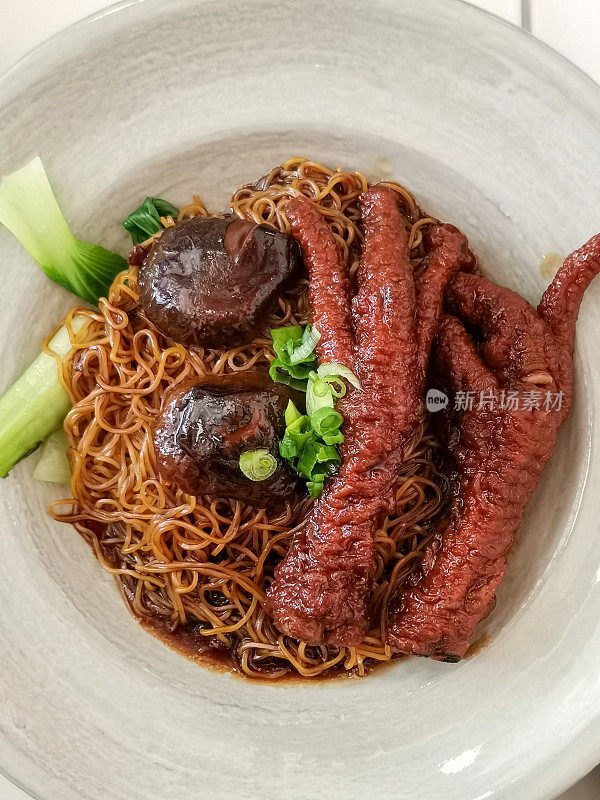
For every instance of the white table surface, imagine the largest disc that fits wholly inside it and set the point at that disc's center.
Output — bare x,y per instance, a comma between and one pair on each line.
570,26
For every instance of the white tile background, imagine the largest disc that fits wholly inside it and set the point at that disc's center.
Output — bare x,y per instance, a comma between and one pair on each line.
570,26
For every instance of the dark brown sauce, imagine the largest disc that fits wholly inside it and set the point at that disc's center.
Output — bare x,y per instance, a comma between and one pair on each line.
478,646
210,653
202,651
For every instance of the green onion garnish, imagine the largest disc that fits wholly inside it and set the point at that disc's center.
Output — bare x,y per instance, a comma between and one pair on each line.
338,371
291,414
314,488
144,222
305,350
326,421
258,465
295,357
308,445
309,442
319,394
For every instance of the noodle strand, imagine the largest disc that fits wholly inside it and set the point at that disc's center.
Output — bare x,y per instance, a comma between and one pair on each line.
200,566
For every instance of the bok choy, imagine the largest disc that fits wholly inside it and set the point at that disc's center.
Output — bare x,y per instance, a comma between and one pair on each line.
145,221
35,404
28,208
53,465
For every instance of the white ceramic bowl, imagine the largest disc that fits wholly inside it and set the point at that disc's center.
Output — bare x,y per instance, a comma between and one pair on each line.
493,131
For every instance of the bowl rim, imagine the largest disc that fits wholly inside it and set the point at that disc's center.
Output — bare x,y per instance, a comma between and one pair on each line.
77,27
580,755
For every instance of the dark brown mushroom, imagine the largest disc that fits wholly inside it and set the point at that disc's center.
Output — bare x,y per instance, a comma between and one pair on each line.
207,423
210,282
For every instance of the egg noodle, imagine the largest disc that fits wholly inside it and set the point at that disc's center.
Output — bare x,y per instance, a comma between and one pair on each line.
194,570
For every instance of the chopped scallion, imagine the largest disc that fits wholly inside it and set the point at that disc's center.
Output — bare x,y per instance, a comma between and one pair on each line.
308,445
295,356
318,394
291,414
309,442
305,349
326,420
258,465
340,371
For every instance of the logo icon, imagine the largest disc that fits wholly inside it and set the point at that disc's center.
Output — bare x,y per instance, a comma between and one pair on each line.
436,400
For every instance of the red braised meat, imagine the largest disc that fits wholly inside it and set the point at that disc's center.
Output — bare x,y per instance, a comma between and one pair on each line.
329,294
321,588
210,282
207,423
498,454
